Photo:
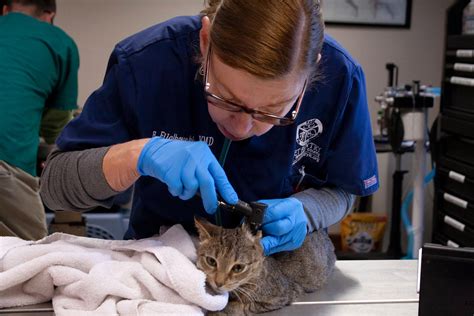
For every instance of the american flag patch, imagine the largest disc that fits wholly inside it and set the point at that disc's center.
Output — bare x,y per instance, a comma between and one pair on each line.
370,182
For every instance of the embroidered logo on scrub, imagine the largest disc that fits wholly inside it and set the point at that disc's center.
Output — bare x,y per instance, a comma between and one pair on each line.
304,134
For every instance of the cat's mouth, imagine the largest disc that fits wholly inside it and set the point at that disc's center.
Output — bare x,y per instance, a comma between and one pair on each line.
221,289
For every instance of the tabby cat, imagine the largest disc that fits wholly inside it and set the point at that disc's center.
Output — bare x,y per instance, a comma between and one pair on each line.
233,262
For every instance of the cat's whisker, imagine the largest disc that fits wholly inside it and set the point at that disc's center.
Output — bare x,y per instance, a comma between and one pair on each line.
250,283
253,292
236,293
249,294
244,294
250,287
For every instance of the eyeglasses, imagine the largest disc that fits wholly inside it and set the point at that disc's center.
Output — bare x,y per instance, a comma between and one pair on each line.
266,117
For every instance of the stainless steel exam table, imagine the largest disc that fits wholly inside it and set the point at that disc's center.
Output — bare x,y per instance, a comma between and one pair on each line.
357,287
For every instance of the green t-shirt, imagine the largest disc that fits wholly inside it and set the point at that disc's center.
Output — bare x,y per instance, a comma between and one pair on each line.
38,69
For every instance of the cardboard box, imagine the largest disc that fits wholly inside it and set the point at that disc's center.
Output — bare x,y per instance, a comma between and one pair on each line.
67,217
68,222
77,230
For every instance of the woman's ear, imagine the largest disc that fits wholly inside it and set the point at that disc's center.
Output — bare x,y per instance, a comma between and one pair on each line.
319,58
204,35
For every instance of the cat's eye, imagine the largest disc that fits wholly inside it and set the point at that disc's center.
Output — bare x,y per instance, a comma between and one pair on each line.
211,261
237,268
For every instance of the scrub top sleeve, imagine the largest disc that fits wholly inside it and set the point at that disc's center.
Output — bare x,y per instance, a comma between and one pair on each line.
352,162
103,121
65,95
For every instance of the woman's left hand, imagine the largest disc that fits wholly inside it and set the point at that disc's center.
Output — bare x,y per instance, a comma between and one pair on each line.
284,225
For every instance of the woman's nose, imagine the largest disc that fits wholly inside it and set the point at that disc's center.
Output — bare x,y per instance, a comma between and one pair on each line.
242,123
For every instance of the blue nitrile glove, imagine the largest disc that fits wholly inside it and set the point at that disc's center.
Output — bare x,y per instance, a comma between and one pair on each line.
284,225
186,166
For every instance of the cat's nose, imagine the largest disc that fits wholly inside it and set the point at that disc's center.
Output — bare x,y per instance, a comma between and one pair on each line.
220,279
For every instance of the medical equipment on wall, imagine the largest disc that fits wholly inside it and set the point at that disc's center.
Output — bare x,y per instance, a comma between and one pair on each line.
402,120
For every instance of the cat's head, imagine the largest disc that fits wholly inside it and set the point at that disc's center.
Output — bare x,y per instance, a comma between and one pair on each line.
228,257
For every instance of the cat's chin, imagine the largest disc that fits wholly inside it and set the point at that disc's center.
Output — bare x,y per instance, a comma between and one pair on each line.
221,291
215,291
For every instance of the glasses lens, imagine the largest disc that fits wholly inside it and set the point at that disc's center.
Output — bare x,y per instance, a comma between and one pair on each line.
222,104
279,121
266,118
277,118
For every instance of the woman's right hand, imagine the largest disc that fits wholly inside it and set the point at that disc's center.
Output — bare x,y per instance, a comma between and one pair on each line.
185,167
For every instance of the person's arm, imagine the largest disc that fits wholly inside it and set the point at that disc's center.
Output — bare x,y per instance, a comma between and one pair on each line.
52,123
81,180
325,207
120,164
74,181
64,95
287,221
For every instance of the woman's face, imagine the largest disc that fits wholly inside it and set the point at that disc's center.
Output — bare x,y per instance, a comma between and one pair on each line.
274,96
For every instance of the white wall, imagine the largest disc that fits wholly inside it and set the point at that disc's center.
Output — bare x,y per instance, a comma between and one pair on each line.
96,25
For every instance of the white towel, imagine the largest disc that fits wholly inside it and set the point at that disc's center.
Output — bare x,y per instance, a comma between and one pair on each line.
114,277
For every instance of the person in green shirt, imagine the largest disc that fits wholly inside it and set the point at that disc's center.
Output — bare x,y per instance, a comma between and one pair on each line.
38,92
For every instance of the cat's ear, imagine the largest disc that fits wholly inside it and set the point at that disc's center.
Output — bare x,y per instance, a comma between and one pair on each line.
258,237
246,229
204,228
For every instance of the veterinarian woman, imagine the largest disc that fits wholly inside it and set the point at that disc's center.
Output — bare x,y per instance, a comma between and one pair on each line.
249,99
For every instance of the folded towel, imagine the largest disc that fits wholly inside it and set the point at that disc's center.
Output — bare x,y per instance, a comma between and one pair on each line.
115,277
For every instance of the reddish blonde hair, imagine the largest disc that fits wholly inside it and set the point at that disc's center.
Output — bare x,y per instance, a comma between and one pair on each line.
267,38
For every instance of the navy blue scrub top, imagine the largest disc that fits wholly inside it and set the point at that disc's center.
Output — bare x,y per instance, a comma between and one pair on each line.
151,89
